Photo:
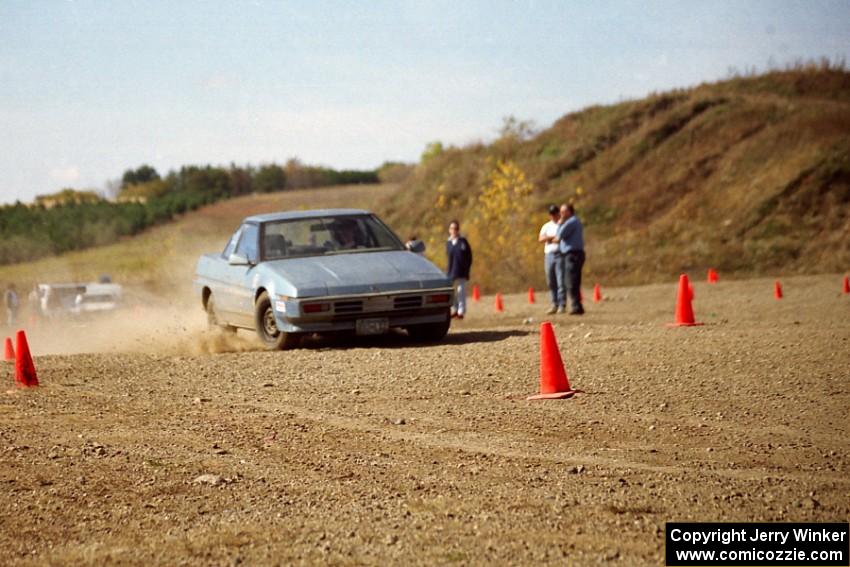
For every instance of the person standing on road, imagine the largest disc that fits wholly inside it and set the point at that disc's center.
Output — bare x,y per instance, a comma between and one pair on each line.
34,305
459,254
553,261
570,240
10,298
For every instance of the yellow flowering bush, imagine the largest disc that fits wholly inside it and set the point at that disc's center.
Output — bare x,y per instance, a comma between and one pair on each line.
500,225
495,202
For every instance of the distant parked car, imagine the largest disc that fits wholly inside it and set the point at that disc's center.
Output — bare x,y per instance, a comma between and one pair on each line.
337,270
74,299
97,298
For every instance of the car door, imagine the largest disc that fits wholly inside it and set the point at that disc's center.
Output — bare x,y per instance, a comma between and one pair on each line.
216,275
239,295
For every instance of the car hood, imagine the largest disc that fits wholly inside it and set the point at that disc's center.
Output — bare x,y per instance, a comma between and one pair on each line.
363,272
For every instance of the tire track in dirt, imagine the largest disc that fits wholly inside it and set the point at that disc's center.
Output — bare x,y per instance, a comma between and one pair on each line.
502,447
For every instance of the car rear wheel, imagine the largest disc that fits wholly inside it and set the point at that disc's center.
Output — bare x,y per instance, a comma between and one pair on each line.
213,321
430,332
267,330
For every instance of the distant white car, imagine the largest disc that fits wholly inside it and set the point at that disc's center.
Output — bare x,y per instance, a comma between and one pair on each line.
97,297
58,300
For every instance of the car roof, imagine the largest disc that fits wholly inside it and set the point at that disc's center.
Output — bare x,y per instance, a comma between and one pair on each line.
291,215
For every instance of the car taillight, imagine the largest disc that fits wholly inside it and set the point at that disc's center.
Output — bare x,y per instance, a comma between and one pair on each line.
439,298
315,307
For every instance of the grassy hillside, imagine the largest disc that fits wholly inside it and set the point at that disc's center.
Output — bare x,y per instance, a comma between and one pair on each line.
750,175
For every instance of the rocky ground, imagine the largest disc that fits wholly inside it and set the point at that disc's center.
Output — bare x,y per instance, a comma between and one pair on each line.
380,451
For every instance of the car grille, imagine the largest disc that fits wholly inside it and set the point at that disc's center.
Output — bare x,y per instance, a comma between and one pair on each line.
343,307
402,302
398,305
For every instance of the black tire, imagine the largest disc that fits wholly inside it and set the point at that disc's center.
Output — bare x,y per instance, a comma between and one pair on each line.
267,330
213,321
430,332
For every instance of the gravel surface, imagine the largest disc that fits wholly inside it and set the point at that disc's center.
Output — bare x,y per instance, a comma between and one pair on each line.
381,451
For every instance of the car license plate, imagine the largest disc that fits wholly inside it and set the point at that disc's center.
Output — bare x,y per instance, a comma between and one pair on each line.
376,326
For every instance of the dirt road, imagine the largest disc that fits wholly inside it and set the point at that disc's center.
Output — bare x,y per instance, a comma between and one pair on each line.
384,452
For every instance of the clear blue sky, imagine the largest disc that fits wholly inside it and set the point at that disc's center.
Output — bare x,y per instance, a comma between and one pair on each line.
91,88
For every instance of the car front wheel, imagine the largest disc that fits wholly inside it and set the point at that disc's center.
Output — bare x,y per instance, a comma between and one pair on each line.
267,330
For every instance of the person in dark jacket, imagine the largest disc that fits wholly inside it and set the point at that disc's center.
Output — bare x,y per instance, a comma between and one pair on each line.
459,254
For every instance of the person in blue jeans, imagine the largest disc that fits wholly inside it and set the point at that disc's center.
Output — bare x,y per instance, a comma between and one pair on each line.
553,261
459,254
571,244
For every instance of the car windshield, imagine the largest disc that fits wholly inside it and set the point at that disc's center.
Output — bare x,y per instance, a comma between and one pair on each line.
326,235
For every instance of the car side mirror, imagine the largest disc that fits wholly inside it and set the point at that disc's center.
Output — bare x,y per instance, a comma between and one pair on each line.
238,260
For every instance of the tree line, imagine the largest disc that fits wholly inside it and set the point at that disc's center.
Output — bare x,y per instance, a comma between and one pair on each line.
73,220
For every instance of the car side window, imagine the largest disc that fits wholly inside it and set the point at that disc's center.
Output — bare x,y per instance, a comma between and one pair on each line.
248,242
231,244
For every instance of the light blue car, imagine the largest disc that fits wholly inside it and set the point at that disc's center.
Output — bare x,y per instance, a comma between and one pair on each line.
289,274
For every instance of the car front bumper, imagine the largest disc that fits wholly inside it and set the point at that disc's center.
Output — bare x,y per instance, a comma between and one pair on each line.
399,308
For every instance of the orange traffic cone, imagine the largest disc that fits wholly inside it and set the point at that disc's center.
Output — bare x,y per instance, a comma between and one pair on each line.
777,290
476,293
531,295
712,275
846,284
684,310
554,383
691,290
597,294
10,352
24,368
499,305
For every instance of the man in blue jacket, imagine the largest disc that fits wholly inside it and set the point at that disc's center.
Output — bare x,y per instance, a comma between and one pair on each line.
459,254
570,239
